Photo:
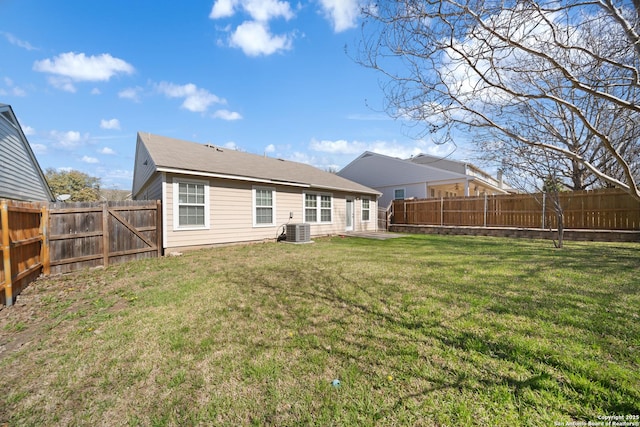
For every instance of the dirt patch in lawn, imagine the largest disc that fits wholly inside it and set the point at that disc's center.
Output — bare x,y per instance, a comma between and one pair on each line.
44,306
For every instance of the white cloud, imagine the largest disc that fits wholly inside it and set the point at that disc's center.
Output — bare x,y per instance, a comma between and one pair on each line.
132,93
110,124
342,147
28,130
265,10
95,91
119,174
195,99
259,10
17,42
223,9
13,89
107,150
62,83
270,148
79,67
343,14
39,148
255,39
68,140
231,145
227,115
18,91
90,160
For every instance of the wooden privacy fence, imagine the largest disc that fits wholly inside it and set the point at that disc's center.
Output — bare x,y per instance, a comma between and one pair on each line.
51,238
605,209
22,246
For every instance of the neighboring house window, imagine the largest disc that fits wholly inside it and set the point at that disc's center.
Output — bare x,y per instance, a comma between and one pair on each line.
318,207
264,202
366,209
191,204
398,194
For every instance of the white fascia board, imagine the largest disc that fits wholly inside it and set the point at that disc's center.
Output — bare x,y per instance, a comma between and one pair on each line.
234,177
346,190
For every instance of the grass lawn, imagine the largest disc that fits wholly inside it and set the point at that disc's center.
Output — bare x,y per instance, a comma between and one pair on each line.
420,330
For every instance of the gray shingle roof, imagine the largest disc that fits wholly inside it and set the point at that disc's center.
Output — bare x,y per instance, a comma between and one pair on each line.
170,153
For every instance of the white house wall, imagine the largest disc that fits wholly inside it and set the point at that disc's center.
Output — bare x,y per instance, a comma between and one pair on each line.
385,174
417,190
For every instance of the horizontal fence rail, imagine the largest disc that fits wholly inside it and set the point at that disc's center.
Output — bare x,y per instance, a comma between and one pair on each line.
85,235
605,209
49,238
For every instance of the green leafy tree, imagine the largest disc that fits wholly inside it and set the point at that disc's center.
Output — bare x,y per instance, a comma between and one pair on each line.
79,185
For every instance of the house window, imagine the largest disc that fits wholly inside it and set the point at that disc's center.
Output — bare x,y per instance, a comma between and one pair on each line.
310,208
264,202
366,209
318,208
325,208
191,204
398,194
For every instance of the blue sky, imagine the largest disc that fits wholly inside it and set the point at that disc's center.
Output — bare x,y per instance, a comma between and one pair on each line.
261,76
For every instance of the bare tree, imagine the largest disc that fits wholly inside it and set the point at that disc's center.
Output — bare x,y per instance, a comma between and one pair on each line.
552,78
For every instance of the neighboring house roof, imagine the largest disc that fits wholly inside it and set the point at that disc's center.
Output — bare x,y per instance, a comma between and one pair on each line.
179,156
20,175
457,166
378,171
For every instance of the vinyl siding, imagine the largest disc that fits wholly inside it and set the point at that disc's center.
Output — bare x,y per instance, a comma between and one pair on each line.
152,190
419,191
20,177
231,217
142,172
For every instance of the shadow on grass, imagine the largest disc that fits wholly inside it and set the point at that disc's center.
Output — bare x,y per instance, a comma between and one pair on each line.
388,331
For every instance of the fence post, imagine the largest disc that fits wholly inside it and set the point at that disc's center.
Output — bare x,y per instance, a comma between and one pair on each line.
6,254
544,208
45,257
105,234
159,227
441,211
485,210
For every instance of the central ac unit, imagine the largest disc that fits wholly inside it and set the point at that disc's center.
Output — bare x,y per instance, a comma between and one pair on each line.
298,233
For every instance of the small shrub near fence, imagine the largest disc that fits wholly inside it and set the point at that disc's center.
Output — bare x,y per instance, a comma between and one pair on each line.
605,209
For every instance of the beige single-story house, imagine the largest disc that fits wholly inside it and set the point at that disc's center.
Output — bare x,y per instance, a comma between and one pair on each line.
212,195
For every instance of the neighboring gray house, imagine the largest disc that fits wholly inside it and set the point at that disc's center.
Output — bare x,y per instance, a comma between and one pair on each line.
213,195
20,175
420,177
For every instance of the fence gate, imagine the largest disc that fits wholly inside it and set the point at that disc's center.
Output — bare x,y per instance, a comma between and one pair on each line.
49,238
85,235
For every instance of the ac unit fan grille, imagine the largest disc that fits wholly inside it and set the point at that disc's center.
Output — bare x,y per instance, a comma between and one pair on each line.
298,233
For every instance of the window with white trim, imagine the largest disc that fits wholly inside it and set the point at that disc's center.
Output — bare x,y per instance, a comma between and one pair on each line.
398,194
264,202
366,209
190,204
318,208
